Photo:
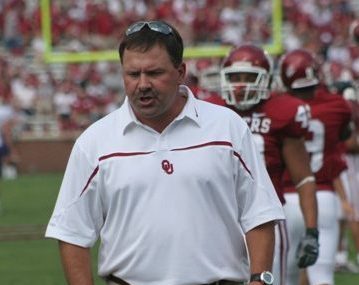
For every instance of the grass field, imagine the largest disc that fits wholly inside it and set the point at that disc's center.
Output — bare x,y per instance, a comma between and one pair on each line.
26,258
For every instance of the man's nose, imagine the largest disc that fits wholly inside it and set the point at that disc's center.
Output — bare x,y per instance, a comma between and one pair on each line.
144,82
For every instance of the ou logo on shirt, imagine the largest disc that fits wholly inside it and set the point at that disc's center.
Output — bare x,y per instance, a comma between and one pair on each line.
167,166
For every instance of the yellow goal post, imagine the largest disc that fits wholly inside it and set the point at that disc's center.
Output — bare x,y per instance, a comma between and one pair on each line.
205,51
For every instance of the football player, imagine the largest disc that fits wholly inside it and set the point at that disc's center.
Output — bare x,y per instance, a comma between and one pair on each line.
330,117
203,80
278,123
339,79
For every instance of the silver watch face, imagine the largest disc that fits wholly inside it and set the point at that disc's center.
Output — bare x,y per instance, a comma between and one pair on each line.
267,277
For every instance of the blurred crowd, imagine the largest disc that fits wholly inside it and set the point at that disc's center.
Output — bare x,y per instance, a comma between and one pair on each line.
59,97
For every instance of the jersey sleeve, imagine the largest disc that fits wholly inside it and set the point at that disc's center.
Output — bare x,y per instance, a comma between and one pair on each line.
297,119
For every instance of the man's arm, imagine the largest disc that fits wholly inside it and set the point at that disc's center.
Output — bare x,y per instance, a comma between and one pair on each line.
297,162
76,262
260,242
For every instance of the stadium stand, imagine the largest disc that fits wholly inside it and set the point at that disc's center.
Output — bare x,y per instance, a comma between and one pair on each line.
55,100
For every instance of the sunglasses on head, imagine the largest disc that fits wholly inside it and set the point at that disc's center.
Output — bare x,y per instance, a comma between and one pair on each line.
156,26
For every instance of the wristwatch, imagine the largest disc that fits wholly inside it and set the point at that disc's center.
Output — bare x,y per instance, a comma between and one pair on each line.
265,277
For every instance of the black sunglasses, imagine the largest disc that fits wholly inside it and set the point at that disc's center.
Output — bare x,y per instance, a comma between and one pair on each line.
156,26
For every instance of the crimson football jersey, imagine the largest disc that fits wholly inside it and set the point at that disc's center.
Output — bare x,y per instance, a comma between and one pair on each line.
330,115
271,121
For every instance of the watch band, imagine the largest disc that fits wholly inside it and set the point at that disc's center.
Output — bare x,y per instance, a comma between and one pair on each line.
265,277
255,277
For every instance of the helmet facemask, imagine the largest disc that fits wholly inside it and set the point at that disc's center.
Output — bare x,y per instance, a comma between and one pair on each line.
244,94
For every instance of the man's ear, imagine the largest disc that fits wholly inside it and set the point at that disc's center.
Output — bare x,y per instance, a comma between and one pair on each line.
182,73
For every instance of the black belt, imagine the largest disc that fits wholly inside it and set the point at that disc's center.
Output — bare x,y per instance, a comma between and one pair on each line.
219,282
116,280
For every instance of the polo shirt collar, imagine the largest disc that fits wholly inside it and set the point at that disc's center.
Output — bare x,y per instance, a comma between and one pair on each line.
190,111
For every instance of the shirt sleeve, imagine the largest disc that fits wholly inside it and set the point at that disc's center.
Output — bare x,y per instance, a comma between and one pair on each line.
257,199
77,217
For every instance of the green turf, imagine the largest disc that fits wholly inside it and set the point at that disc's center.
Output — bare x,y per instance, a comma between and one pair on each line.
29,200
346,279
32,262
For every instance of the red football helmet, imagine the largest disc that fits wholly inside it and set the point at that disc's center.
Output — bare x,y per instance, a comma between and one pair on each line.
247,69
298,69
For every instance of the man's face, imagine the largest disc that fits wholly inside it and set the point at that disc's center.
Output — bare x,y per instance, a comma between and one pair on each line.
241,81
151,83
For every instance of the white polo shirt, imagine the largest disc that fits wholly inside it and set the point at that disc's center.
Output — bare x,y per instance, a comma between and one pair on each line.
168,207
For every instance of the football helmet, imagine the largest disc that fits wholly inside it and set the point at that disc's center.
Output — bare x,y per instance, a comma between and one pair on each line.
298,69
245,76
209,78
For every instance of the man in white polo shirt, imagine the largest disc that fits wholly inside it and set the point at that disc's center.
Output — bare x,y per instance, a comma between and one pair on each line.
168,183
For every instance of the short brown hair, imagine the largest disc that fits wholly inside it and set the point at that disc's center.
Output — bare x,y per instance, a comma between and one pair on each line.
146,38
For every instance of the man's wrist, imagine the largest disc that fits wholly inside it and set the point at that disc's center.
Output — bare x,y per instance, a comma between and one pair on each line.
265,277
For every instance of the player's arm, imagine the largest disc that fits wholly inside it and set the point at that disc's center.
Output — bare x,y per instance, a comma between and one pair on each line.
339,189
76,262
260,243
297,162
